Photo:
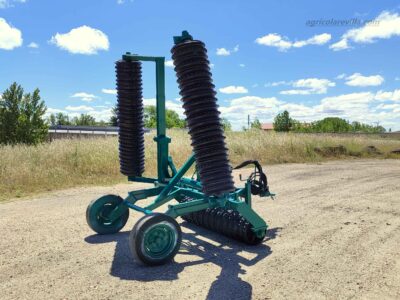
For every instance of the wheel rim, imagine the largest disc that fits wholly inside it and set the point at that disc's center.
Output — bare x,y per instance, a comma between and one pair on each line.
159,240
103,212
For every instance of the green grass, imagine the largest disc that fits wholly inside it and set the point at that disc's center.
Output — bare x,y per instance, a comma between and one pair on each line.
25,170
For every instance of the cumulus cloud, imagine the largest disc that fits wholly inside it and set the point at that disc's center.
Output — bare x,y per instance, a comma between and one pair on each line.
33,45
169,104
51,110
359,80
237,109
283,43
10,37
9,3
108,91
169,63
81,108
82,40
84,96
309,86
388,96
226,52
341,76
363,107
123,1
103,114
223,52
278,83
385,26
340,45
353,102
232,89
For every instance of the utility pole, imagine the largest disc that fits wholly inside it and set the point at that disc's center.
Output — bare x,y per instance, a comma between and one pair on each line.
248,122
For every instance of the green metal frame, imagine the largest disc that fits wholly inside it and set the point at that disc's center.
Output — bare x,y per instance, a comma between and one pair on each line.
171,184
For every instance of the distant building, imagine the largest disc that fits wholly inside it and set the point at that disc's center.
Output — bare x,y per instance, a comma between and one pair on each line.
267,126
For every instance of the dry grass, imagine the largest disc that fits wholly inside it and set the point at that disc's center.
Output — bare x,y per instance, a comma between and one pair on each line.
26,170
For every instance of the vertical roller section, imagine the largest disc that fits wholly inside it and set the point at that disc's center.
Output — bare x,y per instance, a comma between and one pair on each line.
202,116
130,117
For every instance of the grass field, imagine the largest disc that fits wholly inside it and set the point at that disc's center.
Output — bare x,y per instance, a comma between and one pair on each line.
25,170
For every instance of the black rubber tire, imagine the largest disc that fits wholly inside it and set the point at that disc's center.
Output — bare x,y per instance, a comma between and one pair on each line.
136,239
97,207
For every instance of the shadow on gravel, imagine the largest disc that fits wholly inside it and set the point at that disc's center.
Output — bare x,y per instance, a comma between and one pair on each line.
227,255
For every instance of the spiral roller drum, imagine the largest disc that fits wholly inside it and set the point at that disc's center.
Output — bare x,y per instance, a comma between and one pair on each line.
202,116
224,221
130,117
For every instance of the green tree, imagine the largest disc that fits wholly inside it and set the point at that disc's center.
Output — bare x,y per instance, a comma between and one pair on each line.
283,122
84,120
114,118
172,118
226,124
59,119
256,124
332,125
21,116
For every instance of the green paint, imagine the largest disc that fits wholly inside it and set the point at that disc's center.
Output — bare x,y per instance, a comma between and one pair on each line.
169,184
159,240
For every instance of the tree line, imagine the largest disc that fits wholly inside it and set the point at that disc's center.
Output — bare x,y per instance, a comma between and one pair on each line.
22,119
283,122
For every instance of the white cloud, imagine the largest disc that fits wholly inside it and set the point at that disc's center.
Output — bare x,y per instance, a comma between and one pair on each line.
319,39
349,103
278,83
169,104
309,86
395,107
50,111
226,52
397,78
359,80
388,96
341,76
101,115
33,45
242,65
233,90
123,1
108,91
169,63
9,3
238,109
223,52
10,37
385,26
84,96
283,43
362,107
341,45
79,108
274,40
75,111
82,40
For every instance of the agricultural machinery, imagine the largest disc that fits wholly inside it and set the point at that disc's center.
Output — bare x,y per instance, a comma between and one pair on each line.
209,198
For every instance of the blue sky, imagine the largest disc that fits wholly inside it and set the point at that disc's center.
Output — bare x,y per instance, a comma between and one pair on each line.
313,58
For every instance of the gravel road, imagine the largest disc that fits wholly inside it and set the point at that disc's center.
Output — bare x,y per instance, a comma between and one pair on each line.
334,234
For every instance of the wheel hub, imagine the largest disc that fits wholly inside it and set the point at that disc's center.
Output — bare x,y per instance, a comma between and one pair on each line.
159,240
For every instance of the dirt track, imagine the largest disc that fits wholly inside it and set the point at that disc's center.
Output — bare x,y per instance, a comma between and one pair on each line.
334,233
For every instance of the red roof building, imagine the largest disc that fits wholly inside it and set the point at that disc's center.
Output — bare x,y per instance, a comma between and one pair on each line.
267,126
